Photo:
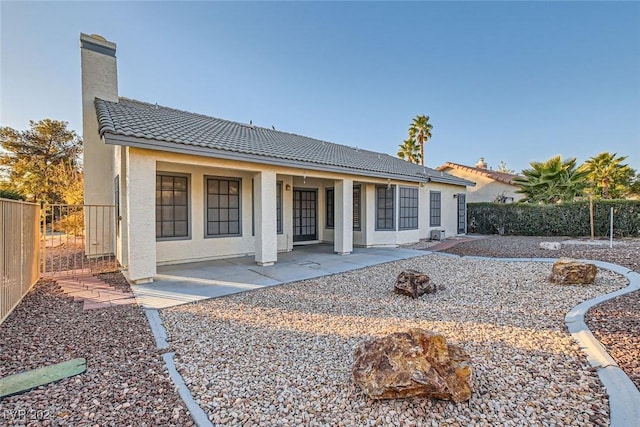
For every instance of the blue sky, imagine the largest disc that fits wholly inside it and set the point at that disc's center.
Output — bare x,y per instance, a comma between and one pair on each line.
508,81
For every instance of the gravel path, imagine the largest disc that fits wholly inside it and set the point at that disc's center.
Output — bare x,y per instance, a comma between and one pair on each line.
283,355
615,323
126,383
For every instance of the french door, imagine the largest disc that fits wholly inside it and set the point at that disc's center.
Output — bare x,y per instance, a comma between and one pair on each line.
305,218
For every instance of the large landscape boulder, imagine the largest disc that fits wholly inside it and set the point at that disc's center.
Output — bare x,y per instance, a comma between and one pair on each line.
571,272
415,363
414,284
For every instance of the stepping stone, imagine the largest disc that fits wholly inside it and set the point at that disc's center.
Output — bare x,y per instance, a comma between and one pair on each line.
68,280
99,288
71,285
94,292
84,295
72,292
93,305
93,281
123,301
24,381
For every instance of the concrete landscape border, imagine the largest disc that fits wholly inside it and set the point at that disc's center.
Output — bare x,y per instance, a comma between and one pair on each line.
624,397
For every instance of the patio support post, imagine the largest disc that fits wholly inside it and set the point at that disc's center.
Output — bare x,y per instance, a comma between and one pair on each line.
343,237
264,192
141,207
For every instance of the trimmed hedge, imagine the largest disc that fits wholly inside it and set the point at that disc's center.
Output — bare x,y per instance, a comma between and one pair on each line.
565,219
10,194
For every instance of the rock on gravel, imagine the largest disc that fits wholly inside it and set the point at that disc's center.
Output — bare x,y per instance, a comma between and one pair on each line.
414,363
126,382
615,323
283,355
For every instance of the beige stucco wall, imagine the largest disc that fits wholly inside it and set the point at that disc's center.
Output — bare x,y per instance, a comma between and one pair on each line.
486,189
199,247
139,170
122,230
99,80
140,181
448,209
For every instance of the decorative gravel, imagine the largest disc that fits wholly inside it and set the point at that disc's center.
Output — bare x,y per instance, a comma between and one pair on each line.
126,382
615,323
283,355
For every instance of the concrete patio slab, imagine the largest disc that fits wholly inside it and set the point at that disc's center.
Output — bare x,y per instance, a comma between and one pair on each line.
184,283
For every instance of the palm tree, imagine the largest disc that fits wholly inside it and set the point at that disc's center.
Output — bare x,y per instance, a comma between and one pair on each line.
420,130
409,151
552,181
607,175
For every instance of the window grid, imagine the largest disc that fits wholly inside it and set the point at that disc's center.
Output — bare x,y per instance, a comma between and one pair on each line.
172,206
434,208
408,208
356,207
331,208
223,207
279,207
304,215
385,206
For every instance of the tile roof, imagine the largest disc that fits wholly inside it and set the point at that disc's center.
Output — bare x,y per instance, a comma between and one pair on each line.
135,123
507,178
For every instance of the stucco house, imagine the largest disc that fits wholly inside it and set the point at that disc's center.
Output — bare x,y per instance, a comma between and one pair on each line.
491,186
189,187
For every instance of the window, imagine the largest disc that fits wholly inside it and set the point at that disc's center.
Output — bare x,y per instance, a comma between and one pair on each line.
172,206
331,208
279,207
385,204
356,207
223,207
434,208
408,208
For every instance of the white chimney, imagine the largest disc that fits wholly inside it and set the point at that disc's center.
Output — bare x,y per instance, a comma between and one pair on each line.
481,164
99,80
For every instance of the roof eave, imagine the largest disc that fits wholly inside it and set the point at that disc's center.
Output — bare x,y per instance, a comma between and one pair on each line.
152,144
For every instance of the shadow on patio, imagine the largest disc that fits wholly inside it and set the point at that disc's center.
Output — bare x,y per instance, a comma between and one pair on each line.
184,283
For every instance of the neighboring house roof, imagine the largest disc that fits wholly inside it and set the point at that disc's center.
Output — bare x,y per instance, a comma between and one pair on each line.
507,178
140,124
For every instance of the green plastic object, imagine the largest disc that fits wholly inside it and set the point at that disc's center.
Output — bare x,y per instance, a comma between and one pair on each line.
24,381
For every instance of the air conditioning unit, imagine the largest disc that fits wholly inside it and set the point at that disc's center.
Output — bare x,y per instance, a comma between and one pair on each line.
437,235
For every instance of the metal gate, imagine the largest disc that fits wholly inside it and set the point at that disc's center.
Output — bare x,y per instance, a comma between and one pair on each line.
77,239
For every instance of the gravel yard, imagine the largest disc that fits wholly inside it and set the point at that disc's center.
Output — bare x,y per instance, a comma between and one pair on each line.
615,323
283,355
126,383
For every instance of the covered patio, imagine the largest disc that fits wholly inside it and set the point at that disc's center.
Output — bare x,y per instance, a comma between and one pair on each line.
184,283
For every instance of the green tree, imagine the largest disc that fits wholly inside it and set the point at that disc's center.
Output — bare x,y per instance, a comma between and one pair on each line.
552,181
41,162
409,150
504,168
420,130
10,194
608,177
634,186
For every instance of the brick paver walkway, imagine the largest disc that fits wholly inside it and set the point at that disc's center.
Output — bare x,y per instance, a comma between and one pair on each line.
95,293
